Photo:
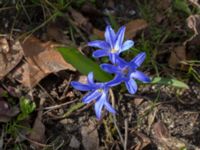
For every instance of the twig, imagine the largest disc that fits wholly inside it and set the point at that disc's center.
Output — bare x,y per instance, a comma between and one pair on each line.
118,131
66,89
50,108
46,92
34,142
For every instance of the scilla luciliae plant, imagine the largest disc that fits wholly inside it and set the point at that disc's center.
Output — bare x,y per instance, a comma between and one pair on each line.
124,71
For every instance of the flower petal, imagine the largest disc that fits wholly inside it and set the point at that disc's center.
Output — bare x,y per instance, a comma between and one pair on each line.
112,57
110,36
100,53
99,44
109,68
131,86
121,62
117,80
119,38
81,86
99,105
127,44
91,96
140,76
109,107
90,78
138,60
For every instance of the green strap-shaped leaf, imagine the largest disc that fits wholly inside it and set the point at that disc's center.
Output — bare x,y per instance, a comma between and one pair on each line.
170,82
83,64
182,5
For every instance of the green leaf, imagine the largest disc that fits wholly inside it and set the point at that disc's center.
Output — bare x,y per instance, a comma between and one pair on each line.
83,64
170,82
26,107
182,6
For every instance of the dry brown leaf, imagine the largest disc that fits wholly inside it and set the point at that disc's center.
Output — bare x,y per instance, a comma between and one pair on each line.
164,139
6,113
11,54
152,117
90,139
134,26
138,101
41,60
38,131
74,143
177,55
144,141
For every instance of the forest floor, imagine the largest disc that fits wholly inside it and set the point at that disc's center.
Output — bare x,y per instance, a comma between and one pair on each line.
40,110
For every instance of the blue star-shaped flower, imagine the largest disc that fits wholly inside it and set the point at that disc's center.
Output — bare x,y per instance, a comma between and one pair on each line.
126,71
113,45
98,92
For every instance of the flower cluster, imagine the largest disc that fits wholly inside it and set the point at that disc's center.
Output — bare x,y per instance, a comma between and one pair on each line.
124,71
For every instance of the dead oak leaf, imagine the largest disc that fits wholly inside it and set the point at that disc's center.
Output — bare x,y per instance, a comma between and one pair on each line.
40,60
11,54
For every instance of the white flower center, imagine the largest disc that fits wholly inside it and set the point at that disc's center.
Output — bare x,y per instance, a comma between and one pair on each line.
113,50
125,71
100,90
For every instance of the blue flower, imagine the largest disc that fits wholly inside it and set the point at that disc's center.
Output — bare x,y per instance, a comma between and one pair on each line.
98,92
113,44
127,71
